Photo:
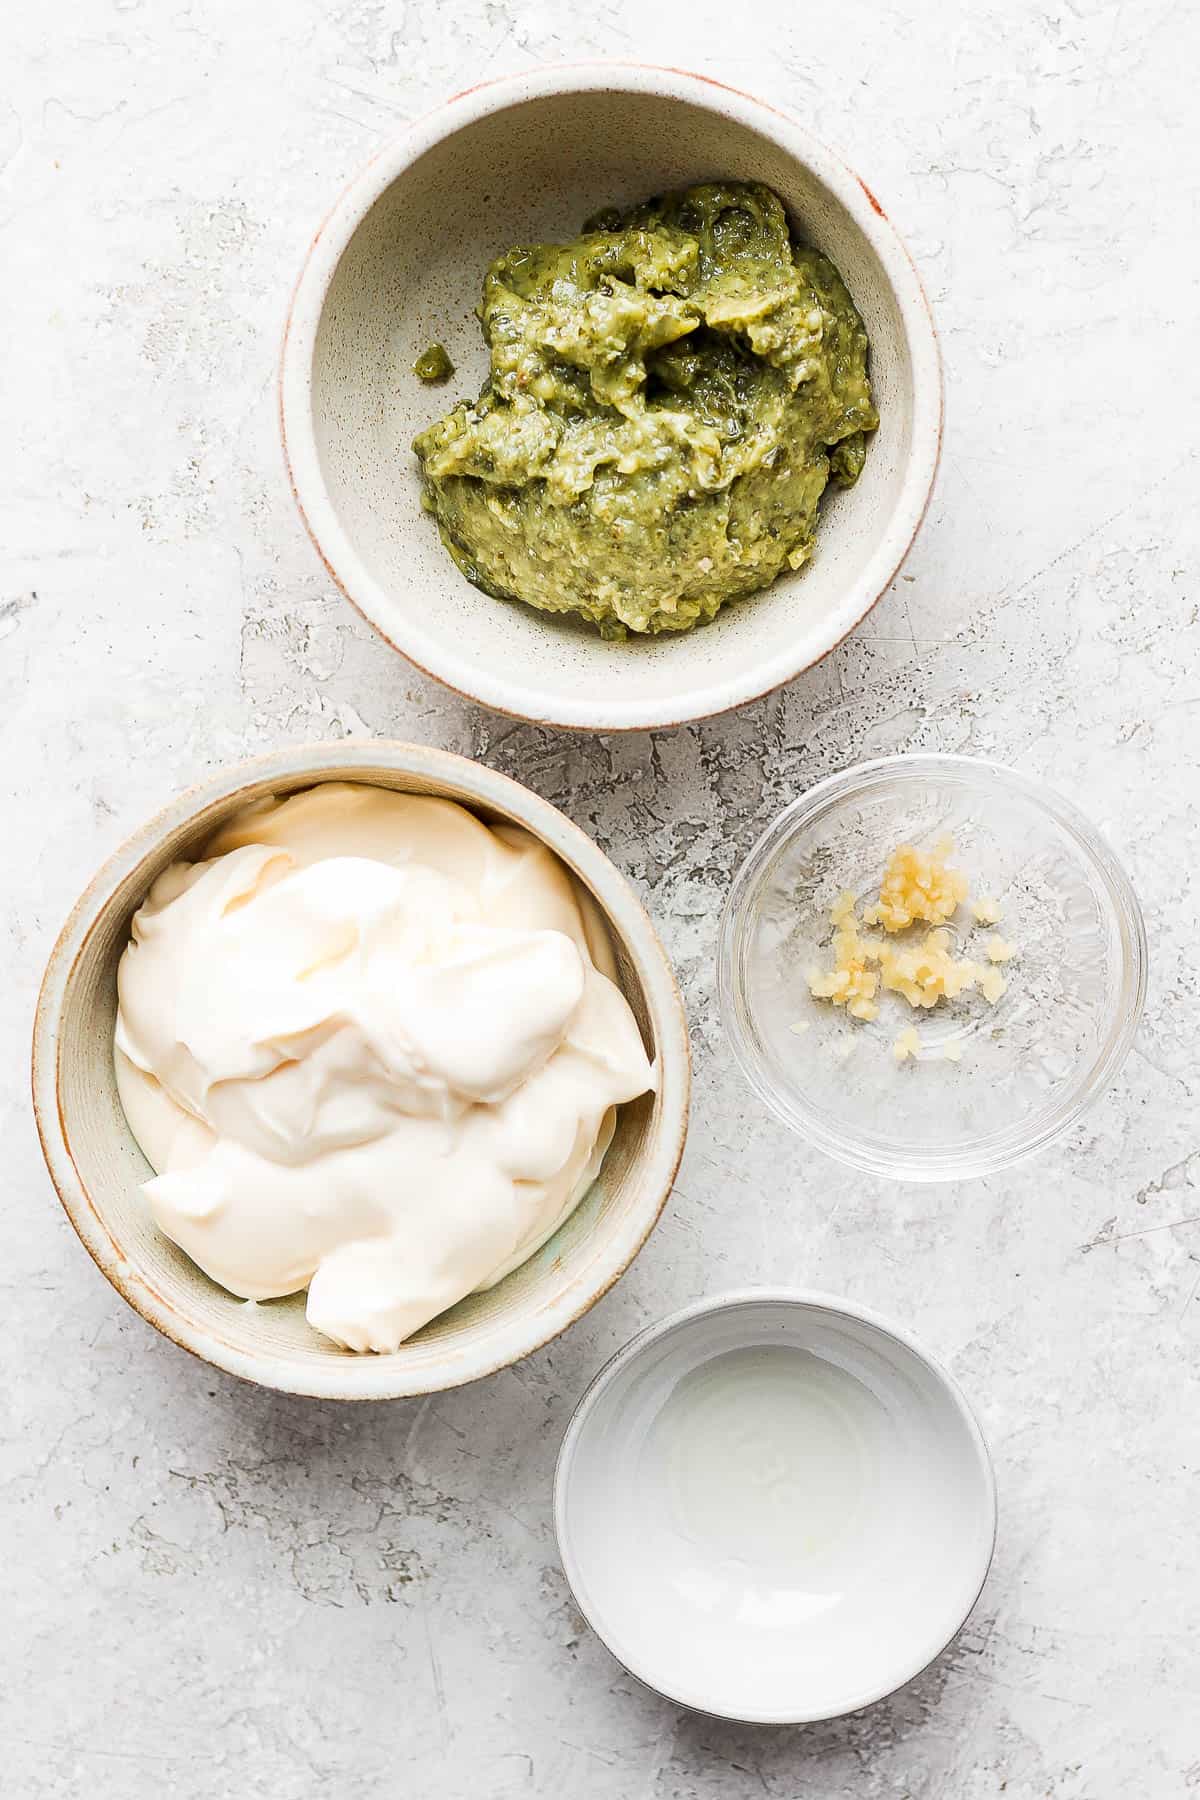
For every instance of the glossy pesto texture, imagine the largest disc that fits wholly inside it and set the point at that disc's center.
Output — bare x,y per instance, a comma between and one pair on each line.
669,396
434,364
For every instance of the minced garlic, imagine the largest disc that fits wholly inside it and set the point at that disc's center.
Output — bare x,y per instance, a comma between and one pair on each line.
851,982
916,888
926,972
991,985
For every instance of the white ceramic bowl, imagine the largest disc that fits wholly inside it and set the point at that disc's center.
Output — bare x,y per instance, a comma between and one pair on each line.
97,1167
774,1507
400,261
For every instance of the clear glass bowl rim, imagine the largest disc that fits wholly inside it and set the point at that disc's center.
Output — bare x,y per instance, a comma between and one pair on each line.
983,1155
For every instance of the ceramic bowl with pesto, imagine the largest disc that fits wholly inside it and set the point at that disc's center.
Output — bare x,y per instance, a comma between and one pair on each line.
399,266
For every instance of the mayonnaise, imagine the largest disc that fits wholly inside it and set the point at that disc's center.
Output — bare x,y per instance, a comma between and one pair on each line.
372,1047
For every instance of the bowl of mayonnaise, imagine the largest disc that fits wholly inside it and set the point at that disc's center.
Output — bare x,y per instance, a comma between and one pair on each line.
360,1071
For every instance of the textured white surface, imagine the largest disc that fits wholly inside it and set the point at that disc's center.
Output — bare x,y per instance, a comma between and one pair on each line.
213,1590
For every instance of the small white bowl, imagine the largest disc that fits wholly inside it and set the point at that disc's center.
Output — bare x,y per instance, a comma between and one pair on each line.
98,1169
774,1507
400,262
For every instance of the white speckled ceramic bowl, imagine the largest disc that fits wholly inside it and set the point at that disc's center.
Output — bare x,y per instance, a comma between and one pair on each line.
97,1167
400,262
775,1507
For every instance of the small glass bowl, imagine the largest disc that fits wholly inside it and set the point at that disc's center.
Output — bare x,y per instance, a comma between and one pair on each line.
1028,1066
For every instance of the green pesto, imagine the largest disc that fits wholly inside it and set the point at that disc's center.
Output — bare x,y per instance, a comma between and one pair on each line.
434,364
669,396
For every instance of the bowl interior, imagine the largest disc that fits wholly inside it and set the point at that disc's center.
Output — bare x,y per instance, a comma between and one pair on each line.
413,272
775,1511
272,1341
1027,1063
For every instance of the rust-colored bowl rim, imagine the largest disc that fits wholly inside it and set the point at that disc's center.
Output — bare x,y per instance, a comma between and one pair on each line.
333,544
346,1376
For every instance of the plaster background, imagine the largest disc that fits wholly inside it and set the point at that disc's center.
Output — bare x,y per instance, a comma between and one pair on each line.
210,1589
